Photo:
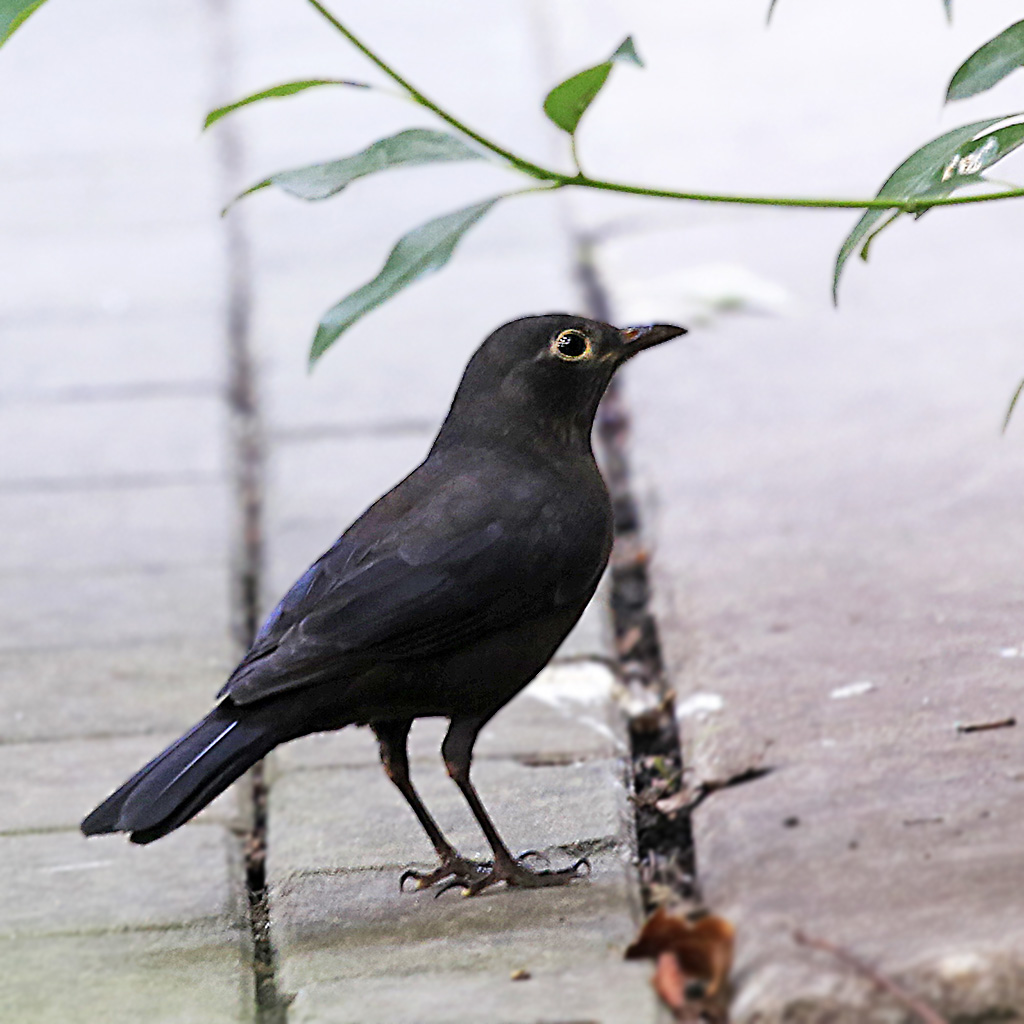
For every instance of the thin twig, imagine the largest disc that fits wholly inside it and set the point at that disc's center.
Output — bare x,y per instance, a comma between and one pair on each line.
1001,723
900,994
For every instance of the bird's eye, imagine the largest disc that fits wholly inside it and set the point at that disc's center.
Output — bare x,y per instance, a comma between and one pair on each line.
571,345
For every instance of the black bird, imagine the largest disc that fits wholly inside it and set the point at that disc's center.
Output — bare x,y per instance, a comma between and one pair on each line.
445,598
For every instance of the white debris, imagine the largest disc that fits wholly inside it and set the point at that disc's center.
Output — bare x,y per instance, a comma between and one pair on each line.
573,683
700,295
700,704
1009,652
579,690
85,865
852,690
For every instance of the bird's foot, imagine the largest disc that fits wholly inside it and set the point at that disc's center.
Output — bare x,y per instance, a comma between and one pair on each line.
460,870
515,873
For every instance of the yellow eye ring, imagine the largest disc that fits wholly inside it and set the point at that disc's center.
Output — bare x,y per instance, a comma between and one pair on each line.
571,345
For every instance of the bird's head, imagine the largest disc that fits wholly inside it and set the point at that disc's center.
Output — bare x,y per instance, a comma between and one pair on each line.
546,373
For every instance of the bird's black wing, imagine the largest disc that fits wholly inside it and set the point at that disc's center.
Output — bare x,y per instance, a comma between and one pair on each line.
411,579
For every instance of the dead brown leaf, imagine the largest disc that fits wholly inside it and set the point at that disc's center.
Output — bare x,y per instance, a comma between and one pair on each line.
629,640
702,949
669,805
669,981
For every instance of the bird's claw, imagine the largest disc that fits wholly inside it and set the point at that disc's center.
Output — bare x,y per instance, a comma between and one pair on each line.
583,862
455,883
460,870
540,854
516,875
473,877
416,876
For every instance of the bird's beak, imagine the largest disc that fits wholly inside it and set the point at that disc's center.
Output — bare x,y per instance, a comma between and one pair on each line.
636,339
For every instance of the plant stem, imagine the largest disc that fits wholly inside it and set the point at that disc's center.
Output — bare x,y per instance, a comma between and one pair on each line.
575,155
582,181
517,161
903,205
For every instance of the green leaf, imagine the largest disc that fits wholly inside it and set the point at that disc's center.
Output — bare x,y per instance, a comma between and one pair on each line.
406,149
865,248
627,52
989,64
568,102
276,92
1012,405
13,13
420,252
954,160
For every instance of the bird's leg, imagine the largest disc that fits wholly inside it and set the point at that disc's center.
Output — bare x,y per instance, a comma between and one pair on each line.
393,736
457,751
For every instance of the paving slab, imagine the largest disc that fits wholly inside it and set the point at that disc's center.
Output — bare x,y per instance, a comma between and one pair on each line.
370,825
326,918
54,784
64,609
79,441
115,528
188,975
120,190
59,883
157,686
152,272
57,352
566,993
356,927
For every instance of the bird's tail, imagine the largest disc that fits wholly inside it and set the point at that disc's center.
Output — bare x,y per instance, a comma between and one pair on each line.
181,781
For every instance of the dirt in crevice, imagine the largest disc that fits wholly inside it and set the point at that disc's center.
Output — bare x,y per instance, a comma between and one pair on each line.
668,870
248,462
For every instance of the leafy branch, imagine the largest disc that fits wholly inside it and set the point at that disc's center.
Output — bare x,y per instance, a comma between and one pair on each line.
927,179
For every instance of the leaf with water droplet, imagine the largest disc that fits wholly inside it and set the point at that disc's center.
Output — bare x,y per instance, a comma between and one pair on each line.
950,162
